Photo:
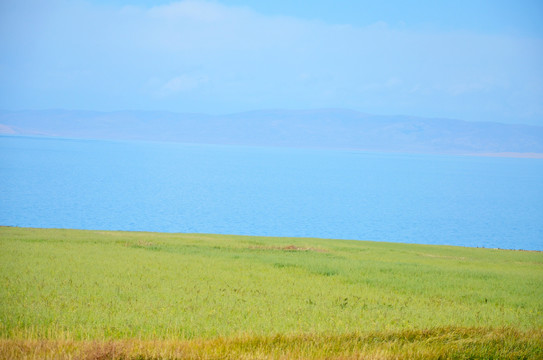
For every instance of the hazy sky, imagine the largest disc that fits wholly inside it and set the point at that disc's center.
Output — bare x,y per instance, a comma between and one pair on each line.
471,60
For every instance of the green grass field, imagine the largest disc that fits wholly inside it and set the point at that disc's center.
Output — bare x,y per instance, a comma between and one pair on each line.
98,294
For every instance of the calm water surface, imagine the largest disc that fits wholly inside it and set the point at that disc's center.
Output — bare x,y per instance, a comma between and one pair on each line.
429,199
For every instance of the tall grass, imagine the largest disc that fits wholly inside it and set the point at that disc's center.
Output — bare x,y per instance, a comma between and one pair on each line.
70,285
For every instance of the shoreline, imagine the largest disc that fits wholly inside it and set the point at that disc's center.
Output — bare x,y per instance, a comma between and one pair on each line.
295,238
517,155
505,154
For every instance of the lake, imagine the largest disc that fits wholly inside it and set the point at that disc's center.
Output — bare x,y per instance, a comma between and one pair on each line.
170,187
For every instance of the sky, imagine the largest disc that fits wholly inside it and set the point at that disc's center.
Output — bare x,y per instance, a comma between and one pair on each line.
470,60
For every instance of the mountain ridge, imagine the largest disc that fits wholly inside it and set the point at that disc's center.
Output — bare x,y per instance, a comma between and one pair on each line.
323,128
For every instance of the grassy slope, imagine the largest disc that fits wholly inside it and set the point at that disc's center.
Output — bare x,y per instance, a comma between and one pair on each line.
80,286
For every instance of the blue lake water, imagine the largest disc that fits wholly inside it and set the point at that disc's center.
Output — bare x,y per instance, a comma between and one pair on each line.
428,199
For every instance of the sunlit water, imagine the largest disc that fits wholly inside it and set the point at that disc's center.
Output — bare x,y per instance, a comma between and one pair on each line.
429,199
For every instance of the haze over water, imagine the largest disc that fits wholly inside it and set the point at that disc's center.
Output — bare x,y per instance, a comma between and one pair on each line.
428,199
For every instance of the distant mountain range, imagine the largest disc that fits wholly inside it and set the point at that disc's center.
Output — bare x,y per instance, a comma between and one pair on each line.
327,128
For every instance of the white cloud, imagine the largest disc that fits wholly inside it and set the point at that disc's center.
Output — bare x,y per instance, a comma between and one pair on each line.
181,83
202,11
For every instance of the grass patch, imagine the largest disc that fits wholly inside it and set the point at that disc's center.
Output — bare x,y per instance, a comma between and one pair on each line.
66,289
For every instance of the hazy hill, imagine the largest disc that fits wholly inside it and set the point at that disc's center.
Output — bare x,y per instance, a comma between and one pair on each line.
330,128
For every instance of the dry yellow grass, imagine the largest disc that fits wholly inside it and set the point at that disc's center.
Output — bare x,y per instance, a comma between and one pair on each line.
444,343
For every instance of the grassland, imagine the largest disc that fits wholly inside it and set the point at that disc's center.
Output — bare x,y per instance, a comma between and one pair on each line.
96,294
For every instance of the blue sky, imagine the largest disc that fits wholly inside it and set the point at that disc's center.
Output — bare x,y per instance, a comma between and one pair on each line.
471,60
